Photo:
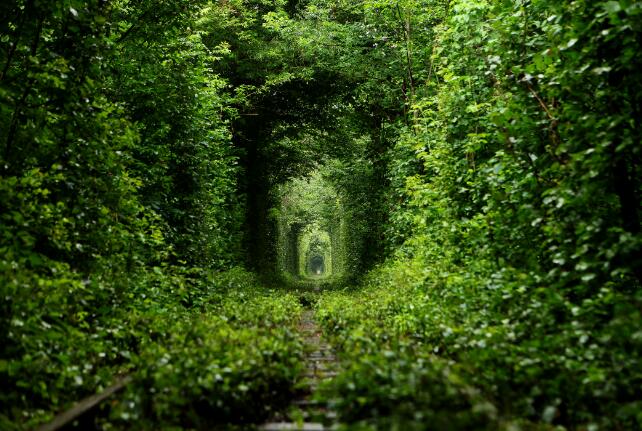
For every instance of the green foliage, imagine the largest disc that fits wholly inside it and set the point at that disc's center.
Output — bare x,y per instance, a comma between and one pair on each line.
110,173
504,369
521,222
489,150
515,224
391,379
232,357
518,226
184,160
310,222
234,360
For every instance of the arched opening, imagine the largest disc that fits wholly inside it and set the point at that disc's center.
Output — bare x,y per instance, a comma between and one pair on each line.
317,266
311,231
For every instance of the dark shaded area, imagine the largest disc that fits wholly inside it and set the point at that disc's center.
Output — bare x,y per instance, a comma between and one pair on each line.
292,108
317,265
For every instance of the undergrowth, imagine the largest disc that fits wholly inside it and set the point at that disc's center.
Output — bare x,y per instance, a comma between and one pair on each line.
458,350
226,353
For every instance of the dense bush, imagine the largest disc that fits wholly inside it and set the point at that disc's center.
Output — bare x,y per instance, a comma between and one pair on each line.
233,356
234,360
503,343
516,237
393,379
107,190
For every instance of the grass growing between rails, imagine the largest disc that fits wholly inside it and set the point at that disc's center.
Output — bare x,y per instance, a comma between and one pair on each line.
228,353
457,349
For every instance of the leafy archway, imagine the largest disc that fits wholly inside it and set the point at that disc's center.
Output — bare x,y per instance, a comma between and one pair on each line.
310,222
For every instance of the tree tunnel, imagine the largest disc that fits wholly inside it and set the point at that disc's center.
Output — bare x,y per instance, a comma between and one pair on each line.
311,227
312,135
314,246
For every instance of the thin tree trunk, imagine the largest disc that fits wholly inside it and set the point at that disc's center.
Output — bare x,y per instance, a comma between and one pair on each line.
404,20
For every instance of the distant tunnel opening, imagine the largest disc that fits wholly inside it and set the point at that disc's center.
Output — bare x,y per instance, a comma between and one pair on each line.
311,231
317,265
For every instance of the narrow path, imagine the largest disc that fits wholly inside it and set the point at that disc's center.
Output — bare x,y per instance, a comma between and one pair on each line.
305,412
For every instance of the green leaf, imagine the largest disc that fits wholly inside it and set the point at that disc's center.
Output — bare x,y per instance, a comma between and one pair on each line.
612,6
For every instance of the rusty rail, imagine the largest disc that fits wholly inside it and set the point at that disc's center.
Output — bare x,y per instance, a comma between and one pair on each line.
84,406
